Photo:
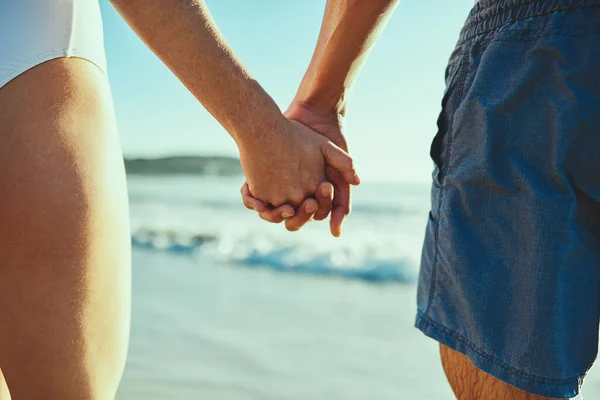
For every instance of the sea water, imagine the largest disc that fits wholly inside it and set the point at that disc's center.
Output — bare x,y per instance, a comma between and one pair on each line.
205,216
229,307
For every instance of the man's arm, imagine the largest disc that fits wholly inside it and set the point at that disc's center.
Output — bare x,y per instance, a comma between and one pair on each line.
182,34
349,30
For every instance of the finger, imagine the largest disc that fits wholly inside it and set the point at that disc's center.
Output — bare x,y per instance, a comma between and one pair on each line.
304,213
341,161
340,142
250,202
277,215
341,203
324,197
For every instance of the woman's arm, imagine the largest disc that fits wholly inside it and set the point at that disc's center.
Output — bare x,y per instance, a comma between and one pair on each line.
183,35
283,160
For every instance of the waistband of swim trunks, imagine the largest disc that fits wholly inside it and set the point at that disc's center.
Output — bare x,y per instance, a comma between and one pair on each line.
488,15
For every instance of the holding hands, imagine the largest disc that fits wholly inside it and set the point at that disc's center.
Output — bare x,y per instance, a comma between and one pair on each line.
322,187
348,32
296,164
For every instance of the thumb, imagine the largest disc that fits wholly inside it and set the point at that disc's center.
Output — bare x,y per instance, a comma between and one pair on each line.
339,160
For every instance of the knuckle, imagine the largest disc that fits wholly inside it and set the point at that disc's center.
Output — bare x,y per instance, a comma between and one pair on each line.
321,215
292,227
346,210
325,198
263,217
340,142
349,163
312,188
331,172
269,218
325,207
296,199
277,201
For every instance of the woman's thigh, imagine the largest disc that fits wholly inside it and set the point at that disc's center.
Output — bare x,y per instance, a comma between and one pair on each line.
64,235
4,393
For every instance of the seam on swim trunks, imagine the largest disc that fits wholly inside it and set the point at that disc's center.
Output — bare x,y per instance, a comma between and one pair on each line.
541,14
461,73
510,369
32,62
521,4
462,78
516,39
545,34
557,29
432,285
500,11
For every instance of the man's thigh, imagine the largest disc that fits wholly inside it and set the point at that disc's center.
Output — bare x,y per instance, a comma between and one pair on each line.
470,383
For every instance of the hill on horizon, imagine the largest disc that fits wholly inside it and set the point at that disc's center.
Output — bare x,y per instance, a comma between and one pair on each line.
184,165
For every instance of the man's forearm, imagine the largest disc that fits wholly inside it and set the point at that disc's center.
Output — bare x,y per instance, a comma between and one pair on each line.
182,34
349,30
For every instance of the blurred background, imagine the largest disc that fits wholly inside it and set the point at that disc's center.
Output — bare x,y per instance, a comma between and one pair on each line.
226,306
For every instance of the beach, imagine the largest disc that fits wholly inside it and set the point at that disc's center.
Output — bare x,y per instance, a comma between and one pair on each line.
226,332
226,306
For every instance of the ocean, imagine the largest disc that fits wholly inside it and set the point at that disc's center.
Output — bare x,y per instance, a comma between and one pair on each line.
229,307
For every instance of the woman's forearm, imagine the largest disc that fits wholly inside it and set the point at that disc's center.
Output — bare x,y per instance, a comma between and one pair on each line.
349,30
182,34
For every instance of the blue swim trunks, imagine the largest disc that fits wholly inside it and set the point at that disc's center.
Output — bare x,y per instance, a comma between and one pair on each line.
510,272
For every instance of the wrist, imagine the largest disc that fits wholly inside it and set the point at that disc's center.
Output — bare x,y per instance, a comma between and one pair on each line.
322,100
312,106
258,120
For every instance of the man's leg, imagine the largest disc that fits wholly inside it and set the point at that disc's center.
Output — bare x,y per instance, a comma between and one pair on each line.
512,245
470,383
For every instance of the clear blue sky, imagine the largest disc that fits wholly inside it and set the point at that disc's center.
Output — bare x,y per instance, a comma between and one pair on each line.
393,107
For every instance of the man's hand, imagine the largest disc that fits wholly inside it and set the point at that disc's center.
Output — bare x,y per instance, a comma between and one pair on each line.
289,167
334,193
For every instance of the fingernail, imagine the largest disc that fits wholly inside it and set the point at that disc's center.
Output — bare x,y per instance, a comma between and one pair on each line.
311,208
326,190
337,231
286,214
356,179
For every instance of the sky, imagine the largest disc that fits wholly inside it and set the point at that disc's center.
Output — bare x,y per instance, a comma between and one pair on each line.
392,109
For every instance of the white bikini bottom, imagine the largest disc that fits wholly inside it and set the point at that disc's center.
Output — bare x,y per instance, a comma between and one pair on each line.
35,31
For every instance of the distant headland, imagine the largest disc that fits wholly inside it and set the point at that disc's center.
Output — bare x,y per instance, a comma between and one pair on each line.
184,165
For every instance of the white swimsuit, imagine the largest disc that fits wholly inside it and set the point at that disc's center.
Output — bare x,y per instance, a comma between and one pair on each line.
35,31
